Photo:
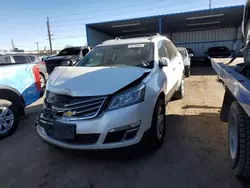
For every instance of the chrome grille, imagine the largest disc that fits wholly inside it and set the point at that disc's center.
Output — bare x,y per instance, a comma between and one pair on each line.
80,108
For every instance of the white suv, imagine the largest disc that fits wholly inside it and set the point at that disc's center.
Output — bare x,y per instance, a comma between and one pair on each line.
114,97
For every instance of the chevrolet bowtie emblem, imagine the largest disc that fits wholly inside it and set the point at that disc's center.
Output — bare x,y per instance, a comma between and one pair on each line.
69,114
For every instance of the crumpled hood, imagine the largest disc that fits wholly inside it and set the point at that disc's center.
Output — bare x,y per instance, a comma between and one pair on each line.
92,81
63,58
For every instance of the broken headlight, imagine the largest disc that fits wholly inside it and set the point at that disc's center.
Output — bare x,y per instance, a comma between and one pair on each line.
128,98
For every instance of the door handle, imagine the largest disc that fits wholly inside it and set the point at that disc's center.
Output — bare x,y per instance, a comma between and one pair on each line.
179,63
173,69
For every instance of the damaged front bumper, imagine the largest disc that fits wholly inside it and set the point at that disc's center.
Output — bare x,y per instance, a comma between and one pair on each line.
112,129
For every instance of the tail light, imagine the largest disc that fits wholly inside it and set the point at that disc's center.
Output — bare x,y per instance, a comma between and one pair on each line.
36,74
43,62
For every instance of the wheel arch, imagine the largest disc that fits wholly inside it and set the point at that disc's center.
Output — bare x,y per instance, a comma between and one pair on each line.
227,102
11,94
162,96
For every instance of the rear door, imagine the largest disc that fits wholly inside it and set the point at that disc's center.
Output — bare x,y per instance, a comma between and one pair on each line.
168,70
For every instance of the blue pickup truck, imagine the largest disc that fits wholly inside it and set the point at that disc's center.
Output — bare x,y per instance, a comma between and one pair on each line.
19,87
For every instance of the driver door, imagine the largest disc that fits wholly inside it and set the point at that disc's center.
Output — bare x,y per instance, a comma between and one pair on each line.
169,70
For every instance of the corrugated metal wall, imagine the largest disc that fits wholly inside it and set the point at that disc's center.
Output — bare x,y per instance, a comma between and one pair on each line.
95,37
200,41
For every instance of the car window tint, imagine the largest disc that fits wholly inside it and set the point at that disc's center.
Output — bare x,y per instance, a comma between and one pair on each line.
172,51
32,58
5,59
20,59
162,51
85,51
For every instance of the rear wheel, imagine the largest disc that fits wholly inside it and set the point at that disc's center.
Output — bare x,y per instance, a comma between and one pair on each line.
42,81
187,71
239,140
9,118
181,92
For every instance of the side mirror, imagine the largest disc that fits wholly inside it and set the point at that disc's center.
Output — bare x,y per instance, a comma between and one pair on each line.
191,55
164,61
66,63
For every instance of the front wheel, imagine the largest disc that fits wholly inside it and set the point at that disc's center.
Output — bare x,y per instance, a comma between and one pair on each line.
157,130
239,140
9,118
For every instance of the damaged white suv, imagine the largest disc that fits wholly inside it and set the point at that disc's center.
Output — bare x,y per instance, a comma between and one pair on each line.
114,97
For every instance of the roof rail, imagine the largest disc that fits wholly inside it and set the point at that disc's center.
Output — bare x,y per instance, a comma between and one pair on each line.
137,35
156,35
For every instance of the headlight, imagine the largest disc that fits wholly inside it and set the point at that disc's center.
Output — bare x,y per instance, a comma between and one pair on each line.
134,96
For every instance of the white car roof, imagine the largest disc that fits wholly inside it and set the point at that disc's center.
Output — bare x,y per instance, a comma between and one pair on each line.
118,41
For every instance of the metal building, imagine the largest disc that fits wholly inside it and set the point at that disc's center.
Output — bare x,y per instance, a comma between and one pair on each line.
198,30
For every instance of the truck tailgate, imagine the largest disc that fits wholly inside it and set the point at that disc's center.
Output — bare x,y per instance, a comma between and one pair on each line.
235,82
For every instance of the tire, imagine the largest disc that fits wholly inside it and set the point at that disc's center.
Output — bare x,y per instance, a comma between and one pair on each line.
239,140
156,134
10,110
187,71
42,81
181,92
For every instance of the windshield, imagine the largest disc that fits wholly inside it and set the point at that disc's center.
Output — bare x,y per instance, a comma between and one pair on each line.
70,51
139,55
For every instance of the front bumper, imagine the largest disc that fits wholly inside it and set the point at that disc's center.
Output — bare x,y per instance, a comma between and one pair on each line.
99,128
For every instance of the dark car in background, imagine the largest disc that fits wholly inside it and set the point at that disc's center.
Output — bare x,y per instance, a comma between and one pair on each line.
20,58
219,52
190,51
66,57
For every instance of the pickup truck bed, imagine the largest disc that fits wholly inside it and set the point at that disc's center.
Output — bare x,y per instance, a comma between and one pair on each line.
238,85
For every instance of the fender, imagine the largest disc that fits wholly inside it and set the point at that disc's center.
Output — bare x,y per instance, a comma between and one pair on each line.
11,94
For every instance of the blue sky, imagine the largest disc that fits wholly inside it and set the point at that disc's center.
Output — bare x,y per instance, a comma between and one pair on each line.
24,21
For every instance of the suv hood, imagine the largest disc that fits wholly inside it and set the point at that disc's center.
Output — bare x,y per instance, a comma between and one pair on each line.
92,81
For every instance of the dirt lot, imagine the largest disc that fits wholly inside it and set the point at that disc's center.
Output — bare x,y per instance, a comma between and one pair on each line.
194,153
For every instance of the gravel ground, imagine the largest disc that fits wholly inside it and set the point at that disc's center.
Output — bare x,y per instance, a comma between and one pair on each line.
194,153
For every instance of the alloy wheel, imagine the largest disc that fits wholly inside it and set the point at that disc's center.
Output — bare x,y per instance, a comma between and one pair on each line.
6,119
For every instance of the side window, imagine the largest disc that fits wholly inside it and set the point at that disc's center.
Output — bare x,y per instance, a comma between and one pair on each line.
20,59
32,58
85,51
94,59
5,59
172,51
162,51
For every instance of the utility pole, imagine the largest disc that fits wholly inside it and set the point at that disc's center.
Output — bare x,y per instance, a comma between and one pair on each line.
49,35
13,46
37,46
210,4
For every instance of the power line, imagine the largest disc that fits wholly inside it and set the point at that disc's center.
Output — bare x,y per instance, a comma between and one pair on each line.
70,37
